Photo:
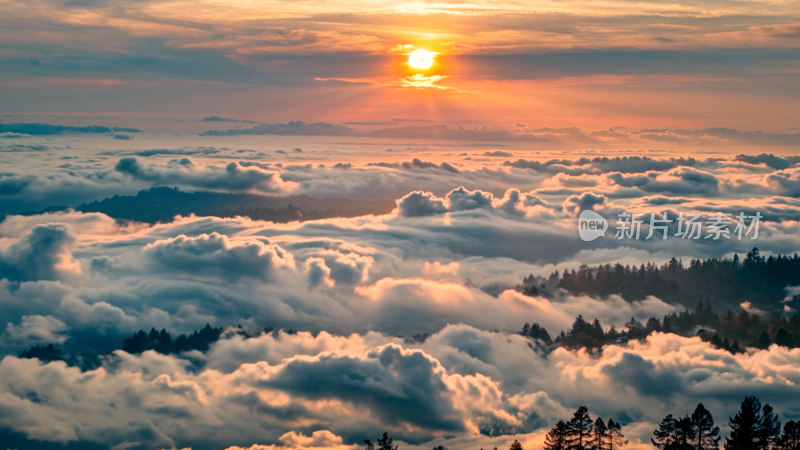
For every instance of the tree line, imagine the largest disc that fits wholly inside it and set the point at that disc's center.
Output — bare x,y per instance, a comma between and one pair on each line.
719,281
162,342
162,204
582,433
141,341
753,427
731,332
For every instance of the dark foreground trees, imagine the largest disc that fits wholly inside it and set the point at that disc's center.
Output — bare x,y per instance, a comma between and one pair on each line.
790,438
558,437
615,437
383,443
689,432
581,433
754,427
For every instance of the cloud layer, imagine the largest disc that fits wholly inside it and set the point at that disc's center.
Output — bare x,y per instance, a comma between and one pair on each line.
331,391
402,321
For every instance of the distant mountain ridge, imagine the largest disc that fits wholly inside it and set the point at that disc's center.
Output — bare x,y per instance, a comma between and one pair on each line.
162,204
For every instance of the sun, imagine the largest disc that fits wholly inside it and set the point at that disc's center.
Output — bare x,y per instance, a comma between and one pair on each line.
421,59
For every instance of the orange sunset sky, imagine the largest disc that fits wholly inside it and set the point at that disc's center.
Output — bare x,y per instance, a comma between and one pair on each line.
593,65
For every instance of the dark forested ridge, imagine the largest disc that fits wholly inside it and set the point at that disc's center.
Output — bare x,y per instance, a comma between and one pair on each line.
162,204
141,341
731,303
733,332
719,282
49,352
162,342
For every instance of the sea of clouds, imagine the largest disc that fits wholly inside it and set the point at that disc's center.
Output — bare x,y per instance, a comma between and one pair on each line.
466,225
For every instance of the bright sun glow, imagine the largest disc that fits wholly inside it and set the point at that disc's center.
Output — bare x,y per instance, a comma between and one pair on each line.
421,59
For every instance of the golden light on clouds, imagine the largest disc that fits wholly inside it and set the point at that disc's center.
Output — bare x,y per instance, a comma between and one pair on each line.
421,59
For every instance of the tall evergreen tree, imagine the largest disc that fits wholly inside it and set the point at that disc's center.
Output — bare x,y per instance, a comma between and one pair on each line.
684,432
665,435
790,438
580,429
558,437
753,427
770,428
616,439
601,435
673,434
745,426
515,445
705,435
385,442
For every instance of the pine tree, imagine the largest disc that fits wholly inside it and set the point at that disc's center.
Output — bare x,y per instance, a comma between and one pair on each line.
385,443
705,435
790,438
515,445
615,437
684,431
753,427
770,428
763,342
580,429
601,435
745,426
783,338
664,437
558,437
673,434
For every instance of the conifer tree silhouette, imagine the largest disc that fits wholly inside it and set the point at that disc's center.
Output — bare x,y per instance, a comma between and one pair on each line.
558,437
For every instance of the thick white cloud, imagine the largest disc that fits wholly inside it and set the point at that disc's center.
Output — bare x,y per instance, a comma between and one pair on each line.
42,254
235,176
574,204
319,439
37,329
214,254
420,204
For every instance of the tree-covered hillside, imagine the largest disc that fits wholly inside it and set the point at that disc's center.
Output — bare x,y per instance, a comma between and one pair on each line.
720,282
